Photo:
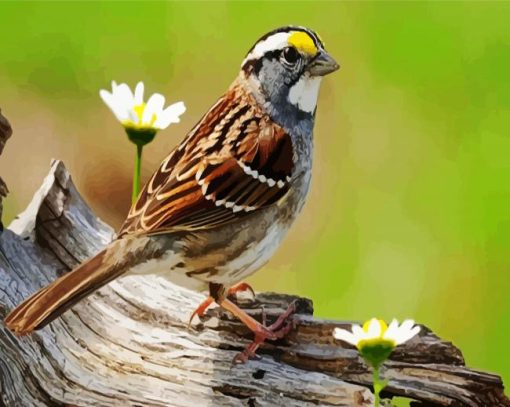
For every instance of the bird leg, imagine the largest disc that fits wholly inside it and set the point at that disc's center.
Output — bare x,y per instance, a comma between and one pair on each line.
277,330
231,292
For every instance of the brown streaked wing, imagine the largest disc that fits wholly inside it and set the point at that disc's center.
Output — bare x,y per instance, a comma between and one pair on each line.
165,174
231,165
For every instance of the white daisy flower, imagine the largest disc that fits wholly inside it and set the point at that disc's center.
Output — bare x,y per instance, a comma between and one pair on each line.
140,120
376,340
134,114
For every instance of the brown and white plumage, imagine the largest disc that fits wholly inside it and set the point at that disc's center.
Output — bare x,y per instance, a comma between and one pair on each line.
221,202
235,161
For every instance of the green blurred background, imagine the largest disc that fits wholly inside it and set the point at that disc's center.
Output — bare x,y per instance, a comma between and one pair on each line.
409,214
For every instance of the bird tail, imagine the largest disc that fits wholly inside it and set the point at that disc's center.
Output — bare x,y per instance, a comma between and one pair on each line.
53,300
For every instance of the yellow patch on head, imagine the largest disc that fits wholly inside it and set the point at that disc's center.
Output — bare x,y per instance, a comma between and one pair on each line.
303,42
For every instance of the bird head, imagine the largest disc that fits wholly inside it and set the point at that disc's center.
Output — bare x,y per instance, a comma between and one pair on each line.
284,70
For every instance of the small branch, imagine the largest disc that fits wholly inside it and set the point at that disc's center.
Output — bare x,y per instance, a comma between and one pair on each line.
5,133
122,346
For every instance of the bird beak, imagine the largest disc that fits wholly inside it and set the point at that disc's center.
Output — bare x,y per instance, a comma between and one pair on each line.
322,64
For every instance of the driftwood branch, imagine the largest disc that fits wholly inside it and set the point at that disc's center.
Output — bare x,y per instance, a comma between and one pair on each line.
129,343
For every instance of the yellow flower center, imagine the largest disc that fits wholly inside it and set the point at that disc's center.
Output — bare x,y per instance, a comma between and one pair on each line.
377,349
376,342
139,109
384,326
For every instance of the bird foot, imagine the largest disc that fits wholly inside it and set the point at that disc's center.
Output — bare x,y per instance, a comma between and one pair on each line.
279,329
231,293
201,309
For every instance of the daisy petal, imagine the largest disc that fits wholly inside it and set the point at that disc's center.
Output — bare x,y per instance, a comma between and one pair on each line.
408,334
107,97
154,108
346,336
403,329
110,101
139,93
129,107
406,325
392,330
359,333
124,96
133,117
374,328
170,115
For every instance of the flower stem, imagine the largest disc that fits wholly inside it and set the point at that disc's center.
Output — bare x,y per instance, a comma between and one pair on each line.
377,387
136,175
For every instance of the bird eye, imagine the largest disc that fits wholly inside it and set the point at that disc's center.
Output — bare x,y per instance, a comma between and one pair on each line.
291,55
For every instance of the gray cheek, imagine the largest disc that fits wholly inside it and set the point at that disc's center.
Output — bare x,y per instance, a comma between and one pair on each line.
272,80
293,75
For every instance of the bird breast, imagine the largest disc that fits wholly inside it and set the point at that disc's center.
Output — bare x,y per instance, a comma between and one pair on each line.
237,250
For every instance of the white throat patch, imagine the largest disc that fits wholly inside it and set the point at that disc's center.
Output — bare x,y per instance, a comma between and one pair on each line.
304,93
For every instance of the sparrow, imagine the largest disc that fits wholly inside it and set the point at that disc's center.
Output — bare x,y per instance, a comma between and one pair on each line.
221,202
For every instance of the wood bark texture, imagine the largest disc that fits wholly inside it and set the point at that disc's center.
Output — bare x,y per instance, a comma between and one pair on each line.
129,343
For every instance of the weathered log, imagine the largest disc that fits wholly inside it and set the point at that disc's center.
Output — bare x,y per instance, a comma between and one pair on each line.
129,343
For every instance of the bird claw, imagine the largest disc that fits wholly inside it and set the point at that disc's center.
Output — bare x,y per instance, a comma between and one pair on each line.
239,288
279,329
200,309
